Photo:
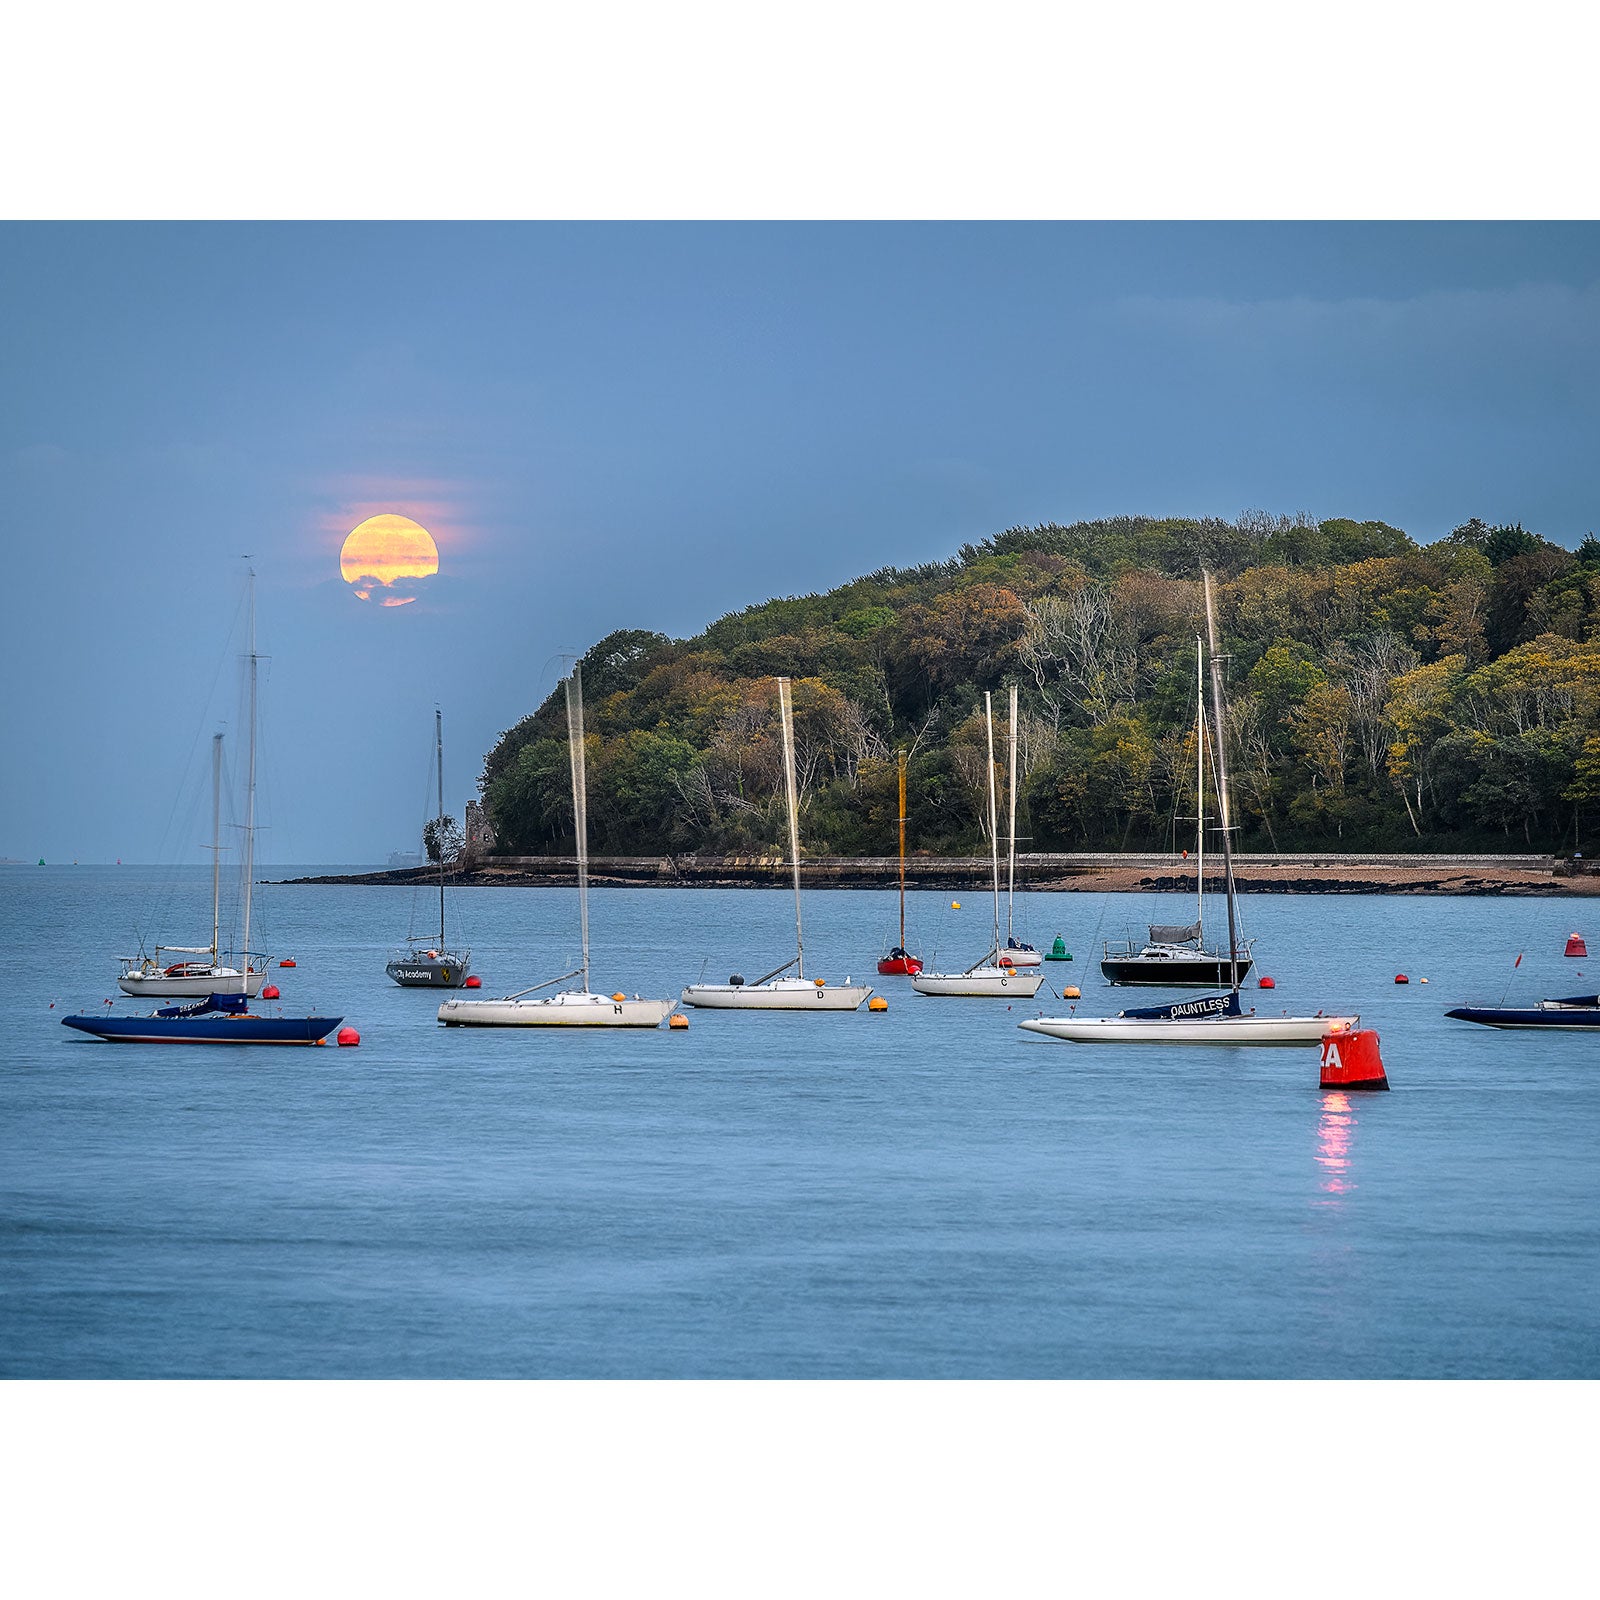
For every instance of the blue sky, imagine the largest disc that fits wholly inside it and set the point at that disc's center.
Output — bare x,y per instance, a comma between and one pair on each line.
619,425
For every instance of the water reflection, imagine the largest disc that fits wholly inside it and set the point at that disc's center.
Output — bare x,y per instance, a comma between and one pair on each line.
1335,1131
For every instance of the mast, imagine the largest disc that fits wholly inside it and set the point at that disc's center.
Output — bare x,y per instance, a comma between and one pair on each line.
1011,858
580,805
1220,746
794,823
216,846
994,823
438,746
1200,790
250,781
902,849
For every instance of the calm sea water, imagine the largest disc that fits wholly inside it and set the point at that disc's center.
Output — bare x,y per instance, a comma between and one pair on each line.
926,1192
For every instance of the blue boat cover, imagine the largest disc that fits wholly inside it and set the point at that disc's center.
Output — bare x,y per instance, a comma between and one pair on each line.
1210,1005
237,1004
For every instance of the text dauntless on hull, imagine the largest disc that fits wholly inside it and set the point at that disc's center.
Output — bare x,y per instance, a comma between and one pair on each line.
998,976
439,967
774,992
571,1008
1212,1019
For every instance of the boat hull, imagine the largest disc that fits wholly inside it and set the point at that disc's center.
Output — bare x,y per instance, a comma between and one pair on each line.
445,971
217,1028
570,1010
996,983
786,994
1175,972
1571,1019
900,966
1190,1030
194,986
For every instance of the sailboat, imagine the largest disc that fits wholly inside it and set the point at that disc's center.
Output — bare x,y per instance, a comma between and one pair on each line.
1209,1019
1017,953
152,975
1175,956
218,1018
568,1008
900,962
774,991
431,963
991,976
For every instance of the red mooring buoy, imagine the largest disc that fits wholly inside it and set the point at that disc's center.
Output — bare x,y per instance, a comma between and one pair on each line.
271,992
1400,977
288,961
1267,983
474,982
350,1036
1351,1061
1576,946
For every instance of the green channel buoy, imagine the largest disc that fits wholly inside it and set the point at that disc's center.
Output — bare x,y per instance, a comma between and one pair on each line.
1058,951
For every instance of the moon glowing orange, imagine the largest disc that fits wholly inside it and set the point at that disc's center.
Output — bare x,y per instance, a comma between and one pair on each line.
388,553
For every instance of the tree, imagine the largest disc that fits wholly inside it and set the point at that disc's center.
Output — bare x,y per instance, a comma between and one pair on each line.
442,840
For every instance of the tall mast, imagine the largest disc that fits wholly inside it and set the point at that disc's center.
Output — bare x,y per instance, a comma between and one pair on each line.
794,823
580,804
902,764
1011,858
250,780
216,845
438,748
1220,745
1200,789
994,822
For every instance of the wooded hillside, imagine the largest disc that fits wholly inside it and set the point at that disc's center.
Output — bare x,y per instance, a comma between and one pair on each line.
1382,694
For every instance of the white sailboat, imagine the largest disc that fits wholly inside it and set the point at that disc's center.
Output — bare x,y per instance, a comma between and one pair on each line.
993,976
1018,952
775,991
157,976
569,1008
1209,1019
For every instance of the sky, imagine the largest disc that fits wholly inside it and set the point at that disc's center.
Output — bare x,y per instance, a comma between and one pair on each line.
650,425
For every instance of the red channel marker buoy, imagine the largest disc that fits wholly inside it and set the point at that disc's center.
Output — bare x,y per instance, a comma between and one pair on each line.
271,992
1351,1061
1575,945
349,1036
474,982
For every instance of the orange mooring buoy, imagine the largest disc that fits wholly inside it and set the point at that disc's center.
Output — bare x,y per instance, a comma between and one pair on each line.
348,1036
1351,1061
1575,945
677,1020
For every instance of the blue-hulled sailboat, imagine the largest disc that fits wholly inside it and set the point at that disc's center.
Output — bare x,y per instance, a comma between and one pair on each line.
218,1018
1576,1011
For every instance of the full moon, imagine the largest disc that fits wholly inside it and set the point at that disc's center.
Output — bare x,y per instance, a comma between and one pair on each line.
386,557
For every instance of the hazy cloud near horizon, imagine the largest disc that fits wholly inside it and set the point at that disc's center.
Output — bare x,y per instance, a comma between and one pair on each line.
648,426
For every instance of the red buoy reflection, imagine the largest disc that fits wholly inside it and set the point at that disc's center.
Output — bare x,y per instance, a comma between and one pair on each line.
1334,1133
